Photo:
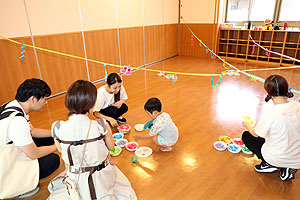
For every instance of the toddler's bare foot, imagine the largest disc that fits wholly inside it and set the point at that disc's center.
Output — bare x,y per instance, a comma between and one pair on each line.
166,148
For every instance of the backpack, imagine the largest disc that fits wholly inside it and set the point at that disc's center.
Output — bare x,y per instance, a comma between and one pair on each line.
6,114
14,163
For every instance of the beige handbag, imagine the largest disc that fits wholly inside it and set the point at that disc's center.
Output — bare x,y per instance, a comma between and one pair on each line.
18,173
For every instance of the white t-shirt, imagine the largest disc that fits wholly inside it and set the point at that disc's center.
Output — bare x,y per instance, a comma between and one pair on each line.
109,182
75,129
104,99
165,127
19,128
280,127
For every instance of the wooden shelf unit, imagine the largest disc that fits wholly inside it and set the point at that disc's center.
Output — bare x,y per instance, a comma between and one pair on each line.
236,44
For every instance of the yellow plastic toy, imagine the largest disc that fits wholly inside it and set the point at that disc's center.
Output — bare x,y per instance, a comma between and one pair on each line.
248,119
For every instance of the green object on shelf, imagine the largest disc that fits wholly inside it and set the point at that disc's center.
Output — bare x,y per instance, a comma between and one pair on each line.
134,159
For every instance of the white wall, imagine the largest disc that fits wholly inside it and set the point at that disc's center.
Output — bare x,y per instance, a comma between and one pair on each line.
198,11
62,16
13,22
53,16
98,14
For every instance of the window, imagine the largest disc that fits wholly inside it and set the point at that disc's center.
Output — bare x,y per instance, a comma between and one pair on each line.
257,11
262,10
238,10
290,10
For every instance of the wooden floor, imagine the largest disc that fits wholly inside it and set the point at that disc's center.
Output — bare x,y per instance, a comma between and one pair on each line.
194,169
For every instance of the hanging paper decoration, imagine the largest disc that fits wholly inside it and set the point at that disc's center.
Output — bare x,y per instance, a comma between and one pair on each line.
126,70
224,65
174,79
200,43
212,54
253,78
212,81
167,76
23,55
192,40
253,49
232,73
105,72
267,52
273,52
206,49
161,74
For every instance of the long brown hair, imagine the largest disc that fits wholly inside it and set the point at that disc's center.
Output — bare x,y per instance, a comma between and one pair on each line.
112,79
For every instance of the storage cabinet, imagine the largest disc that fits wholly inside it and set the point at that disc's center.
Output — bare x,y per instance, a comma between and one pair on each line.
237,44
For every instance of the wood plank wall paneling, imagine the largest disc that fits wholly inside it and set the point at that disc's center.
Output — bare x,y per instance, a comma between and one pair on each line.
204,32
13,70
153,43
102,45
132,46
57,70
171,40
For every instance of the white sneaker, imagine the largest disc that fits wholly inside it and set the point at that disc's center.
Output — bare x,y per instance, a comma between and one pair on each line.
27,194
121,120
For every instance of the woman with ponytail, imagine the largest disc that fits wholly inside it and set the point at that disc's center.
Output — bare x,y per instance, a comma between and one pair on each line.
275,139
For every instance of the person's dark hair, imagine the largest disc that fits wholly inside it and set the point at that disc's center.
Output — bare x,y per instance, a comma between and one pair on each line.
32,87
81,96
153,104
276,85
112,79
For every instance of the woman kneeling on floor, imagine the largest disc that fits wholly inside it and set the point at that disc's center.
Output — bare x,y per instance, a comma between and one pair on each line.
85,146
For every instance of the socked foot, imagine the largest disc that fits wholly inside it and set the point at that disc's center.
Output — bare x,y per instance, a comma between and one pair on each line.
166,148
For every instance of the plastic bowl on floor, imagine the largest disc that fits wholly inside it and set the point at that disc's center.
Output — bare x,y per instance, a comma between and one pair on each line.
117,136
143,152
121,142
116,151
225,139
124,128
220,146
131,146
139,127
237,141
246,150
234,148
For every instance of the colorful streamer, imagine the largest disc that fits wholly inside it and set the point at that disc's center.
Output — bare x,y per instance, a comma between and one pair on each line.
253,78
279,54
23,55
105,78
212,81
253,49
174,79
